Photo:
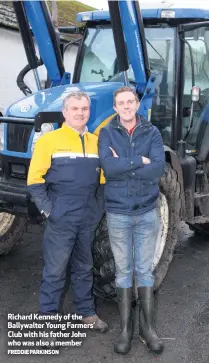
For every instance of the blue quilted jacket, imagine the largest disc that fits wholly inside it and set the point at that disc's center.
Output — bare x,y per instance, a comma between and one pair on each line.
131,186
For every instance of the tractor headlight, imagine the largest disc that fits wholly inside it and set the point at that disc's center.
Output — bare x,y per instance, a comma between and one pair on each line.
44,129
2,136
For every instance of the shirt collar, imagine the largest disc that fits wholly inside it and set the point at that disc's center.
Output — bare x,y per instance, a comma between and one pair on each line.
64,125
138,120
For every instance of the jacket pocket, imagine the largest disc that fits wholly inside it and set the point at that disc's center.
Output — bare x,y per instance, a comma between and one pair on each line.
55,214
63,169
150,188
150,192
116,190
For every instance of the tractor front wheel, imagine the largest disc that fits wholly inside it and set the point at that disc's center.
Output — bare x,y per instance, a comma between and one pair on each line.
11,230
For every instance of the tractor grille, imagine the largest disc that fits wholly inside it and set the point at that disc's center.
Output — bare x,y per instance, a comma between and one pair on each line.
18,137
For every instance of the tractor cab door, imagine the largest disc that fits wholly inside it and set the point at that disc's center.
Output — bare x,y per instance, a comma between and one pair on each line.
196,77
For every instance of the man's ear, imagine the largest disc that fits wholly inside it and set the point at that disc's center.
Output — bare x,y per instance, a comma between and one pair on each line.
115,108
64,112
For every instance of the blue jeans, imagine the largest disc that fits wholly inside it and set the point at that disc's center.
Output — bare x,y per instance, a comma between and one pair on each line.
133,241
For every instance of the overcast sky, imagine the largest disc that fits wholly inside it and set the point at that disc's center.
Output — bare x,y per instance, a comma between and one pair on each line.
102,4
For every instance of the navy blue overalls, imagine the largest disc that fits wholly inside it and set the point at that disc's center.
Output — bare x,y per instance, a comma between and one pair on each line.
64,180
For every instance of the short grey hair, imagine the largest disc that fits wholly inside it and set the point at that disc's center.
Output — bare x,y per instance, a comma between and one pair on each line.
78,95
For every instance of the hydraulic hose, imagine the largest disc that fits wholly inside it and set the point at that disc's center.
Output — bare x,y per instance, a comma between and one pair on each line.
20,78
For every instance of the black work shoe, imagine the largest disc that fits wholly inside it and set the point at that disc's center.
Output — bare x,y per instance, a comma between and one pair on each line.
148,334
99,325
123,344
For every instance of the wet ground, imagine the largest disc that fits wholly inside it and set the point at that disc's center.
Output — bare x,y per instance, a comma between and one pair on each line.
183,306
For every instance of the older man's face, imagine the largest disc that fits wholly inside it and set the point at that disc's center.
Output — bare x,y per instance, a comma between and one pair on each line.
77,112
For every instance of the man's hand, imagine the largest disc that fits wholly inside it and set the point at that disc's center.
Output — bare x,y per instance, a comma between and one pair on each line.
113,152
146,160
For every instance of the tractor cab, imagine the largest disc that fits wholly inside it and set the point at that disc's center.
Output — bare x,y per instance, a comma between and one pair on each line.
177,43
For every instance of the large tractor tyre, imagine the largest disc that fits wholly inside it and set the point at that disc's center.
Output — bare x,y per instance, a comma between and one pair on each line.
11,230
169,212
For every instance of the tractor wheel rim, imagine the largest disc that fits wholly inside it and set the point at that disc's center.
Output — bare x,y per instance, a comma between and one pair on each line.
6,221
163,214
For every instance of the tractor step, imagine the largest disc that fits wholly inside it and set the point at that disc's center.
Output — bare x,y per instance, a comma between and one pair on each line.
201,209
201,205
199,220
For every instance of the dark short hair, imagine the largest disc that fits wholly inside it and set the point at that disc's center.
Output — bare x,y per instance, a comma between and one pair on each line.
124,89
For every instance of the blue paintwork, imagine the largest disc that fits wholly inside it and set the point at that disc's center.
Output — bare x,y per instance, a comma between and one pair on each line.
52,100
146,101
199,14
135,55
66,79
39,27
133,42
101,15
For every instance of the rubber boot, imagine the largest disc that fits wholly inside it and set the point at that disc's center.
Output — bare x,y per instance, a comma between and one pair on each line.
123,344
146,319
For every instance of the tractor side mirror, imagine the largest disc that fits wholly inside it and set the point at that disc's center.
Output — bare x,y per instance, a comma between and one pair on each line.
195,93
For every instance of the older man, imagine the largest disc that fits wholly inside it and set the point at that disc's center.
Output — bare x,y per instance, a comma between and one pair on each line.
64,180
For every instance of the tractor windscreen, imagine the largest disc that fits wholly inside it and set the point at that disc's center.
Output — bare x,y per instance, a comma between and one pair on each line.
196,49
99,64
99,55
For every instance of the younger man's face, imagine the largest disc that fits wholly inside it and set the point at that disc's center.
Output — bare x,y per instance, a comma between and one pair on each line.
126,105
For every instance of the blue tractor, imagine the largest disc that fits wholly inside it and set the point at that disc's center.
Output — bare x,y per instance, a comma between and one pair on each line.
164,55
